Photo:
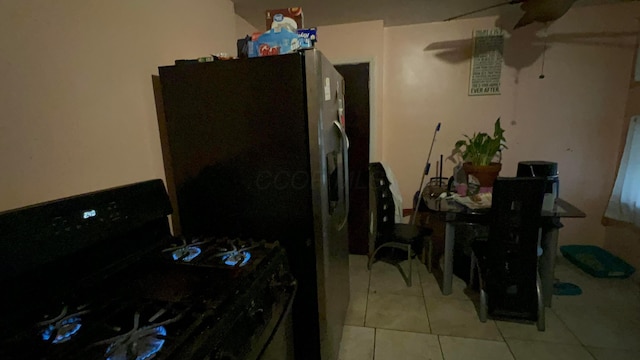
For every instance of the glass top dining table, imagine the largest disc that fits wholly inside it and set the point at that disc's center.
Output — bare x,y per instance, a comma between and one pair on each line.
456,213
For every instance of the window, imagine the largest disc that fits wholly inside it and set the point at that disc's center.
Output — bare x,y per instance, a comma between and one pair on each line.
624,204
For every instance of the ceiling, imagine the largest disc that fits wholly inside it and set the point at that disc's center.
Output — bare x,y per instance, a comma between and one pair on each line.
393,12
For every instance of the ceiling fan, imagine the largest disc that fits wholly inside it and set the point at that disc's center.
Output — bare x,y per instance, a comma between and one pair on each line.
542,11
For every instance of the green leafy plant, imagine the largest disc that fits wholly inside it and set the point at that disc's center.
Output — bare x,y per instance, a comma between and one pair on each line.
480,149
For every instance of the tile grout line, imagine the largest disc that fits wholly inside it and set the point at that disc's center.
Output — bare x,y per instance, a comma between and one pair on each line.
366,304
441,350
589,352
504,338
375,336
565,325
397,330
424,302
508,346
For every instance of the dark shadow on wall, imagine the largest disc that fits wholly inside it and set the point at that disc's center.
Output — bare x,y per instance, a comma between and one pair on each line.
524,46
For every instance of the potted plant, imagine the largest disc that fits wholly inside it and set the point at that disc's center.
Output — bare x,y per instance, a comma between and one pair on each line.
478,153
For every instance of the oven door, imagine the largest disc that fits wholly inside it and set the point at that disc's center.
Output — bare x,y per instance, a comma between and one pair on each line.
257,327
280,345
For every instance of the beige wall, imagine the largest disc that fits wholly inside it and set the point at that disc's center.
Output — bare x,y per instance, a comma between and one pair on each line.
624,240
573,116
243,28
78,110
356,43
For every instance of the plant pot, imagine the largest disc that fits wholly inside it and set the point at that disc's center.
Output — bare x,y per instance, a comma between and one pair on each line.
486,174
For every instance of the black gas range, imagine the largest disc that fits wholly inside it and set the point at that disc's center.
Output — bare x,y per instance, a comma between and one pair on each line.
98,276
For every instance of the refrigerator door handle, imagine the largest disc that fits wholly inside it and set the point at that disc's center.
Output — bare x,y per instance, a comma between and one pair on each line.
345,170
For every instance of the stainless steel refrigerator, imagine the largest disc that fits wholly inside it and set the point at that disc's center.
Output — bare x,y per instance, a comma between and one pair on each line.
257,148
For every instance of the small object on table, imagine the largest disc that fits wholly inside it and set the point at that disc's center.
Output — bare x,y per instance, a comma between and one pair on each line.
477,201
435,187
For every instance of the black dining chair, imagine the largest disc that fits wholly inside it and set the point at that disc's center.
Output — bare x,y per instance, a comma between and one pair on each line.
507,261
384,232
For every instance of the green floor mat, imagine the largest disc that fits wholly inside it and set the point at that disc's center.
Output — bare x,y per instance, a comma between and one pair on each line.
597,261
563,288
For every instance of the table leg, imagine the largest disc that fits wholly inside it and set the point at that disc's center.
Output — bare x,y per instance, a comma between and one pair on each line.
548,263
449,240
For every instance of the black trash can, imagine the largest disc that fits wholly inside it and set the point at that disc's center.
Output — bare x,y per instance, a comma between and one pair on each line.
546,169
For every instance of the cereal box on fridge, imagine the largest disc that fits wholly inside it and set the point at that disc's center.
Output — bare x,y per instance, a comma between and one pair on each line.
289,18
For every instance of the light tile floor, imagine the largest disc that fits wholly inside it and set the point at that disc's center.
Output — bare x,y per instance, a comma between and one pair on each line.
388,321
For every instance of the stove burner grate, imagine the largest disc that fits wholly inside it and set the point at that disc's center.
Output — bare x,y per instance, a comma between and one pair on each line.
237,258
63,327
140,343
186,252
225,251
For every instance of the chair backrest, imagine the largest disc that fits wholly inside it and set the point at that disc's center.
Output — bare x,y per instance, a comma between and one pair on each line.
377,170
513,241
381,206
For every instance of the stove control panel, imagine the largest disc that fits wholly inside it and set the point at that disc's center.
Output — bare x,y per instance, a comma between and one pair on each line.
98,217
62,228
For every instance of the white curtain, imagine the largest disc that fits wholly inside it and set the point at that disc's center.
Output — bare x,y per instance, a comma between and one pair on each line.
624,204
395,192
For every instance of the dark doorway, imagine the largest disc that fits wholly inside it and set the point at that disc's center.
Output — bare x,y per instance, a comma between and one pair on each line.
357,120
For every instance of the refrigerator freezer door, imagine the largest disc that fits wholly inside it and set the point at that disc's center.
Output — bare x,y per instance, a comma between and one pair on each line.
237,151
329,161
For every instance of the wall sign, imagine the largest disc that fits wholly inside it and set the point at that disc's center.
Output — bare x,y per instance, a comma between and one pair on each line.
486,62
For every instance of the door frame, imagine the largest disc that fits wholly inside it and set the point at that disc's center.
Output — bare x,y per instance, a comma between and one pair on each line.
375,119
354,71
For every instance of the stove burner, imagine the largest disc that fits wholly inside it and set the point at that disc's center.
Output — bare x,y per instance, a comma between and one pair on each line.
186,254
63,327
139,343
237,258
231,252
62,331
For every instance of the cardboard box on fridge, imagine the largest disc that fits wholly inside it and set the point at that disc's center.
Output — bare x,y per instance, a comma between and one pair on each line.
289,18
277,42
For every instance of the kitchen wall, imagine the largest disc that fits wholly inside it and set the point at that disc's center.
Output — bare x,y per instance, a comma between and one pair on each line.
79,115
243,28
621,239
624,241
78,111
357,43
574,115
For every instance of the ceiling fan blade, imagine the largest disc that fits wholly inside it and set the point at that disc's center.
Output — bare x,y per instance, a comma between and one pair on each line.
543,11
526,19
486,8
